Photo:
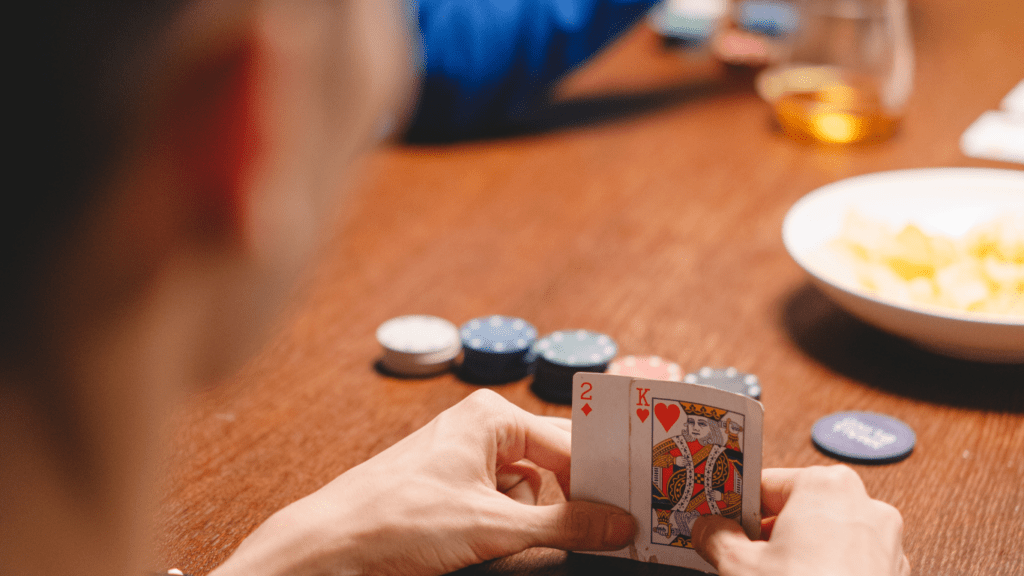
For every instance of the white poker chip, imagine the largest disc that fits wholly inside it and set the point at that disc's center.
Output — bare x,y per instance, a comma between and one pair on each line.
418,345
418,334
426,367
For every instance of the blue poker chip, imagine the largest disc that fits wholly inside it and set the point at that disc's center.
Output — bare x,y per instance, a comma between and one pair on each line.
497,335
558,356
496,349
575,349
728,379
768,17
554,383
864,437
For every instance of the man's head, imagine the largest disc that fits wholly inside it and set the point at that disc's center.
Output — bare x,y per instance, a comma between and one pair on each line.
176,160
174,134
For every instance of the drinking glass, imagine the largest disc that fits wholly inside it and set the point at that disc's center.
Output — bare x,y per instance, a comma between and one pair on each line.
846,74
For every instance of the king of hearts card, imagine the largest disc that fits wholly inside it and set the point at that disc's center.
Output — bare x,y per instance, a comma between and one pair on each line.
669,452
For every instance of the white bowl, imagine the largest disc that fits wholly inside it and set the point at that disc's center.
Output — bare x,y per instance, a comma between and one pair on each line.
945,201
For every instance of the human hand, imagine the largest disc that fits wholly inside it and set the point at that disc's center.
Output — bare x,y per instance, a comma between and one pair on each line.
459,491
817,520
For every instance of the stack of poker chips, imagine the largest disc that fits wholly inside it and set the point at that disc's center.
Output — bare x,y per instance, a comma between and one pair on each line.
560,355
649,367
496,349
728,379
418,345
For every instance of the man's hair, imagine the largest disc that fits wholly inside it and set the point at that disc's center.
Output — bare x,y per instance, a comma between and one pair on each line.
78,73
79,70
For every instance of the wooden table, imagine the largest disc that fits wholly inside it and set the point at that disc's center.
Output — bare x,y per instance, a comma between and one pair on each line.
652,215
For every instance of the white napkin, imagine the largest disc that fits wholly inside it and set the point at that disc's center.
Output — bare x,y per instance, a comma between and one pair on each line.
998,134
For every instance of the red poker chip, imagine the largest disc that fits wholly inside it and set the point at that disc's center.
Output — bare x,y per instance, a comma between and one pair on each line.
650,367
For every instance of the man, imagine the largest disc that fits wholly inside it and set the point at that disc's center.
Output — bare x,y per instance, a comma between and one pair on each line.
174,161
489,64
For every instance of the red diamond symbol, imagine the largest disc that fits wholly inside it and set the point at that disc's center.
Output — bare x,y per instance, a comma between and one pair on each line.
586,409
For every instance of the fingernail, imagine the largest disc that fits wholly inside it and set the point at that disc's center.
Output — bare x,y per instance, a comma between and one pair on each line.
619,530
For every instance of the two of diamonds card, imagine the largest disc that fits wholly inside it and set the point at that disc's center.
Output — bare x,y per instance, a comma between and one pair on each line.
668,452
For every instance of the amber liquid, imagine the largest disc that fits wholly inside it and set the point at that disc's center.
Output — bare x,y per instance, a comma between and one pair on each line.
841,110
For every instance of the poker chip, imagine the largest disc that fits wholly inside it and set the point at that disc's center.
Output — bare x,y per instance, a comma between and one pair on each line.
496,349
863,437
689,24
728,379
418,345
650,367
559,355
767,17
575,348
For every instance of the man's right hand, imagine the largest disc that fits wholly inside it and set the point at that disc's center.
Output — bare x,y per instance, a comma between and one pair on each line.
817,520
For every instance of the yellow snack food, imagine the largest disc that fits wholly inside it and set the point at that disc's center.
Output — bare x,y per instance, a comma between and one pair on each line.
982,271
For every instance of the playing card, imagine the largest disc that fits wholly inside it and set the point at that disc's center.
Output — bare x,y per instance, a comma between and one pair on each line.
692,450
698,452
600,442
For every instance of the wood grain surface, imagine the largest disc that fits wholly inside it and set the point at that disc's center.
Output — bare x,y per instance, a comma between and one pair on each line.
646,203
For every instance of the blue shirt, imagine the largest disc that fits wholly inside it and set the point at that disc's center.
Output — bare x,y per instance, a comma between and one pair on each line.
488,62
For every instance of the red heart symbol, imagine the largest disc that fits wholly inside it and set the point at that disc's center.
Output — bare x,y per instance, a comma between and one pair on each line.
667,414
642,414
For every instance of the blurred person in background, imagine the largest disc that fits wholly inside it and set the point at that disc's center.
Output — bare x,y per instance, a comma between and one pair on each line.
174,161
488,64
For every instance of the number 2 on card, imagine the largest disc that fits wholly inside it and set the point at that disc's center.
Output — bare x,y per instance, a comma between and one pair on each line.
585,395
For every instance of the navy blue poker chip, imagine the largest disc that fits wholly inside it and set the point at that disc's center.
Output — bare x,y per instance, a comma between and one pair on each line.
728,379
560,355
497,335
553,383
768,17
864,437
496,349
575,348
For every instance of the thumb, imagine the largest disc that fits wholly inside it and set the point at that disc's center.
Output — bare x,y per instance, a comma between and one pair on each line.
724,545
579,525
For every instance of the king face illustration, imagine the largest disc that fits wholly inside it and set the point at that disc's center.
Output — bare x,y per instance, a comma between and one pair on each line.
697,472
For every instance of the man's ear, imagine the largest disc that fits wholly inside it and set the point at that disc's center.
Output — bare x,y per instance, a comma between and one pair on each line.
215,134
